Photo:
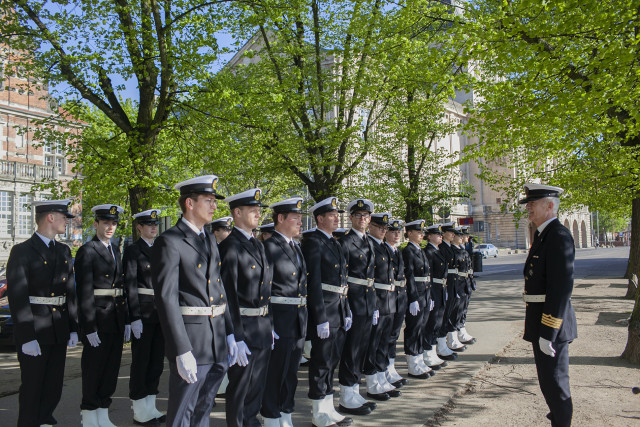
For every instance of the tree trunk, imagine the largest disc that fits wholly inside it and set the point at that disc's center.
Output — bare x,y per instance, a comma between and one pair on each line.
634,250
632,350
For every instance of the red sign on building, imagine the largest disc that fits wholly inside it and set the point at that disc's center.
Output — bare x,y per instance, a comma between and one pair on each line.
465,221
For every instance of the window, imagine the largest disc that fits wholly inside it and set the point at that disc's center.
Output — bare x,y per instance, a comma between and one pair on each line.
24,226
54,156
6,207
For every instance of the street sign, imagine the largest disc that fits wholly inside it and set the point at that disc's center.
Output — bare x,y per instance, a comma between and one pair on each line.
465,221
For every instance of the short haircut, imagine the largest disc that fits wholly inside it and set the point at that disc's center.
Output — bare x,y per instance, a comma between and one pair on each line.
275,217
40,216
182,201
556,204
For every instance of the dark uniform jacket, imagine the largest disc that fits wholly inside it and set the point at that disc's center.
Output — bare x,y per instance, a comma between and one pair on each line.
450,253
384,274
184,273
549,271
416,265
397,266
32,270
289,280
247,277
96,269
325,263
360,264
137,274
463,262
438,267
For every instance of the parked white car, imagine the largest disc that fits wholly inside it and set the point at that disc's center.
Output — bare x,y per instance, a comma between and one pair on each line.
487,250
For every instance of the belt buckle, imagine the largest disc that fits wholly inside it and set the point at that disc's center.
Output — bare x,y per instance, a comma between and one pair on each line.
59,300
369,283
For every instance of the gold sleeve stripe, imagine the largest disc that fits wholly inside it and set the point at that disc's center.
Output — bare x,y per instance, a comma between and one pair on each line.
551,321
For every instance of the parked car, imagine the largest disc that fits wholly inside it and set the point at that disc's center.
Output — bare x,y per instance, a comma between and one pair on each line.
6,324
487,250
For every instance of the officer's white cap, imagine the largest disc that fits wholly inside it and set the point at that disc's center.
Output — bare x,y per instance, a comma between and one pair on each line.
360,205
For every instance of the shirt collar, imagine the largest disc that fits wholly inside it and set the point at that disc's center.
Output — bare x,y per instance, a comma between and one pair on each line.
544,225
448,244
150,243
245,233
417,246
288,240
325,233
376,240
46,240
393,248
434,246
358,233
193,227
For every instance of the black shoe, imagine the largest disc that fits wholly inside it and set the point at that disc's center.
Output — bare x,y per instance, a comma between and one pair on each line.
399,383
362,410
346,422
436,367
162,419
460,350
379,396
152,422
372,405
431,373
394,393
471,341
453,356
222,395
420,376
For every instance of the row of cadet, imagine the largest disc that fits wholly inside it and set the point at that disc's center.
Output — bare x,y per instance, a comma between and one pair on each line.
225,306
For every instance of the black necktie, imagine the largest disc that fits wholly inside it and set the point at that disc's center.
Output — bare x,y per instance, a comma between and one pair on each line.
203,238
536,235
295,252
111,252
51,245
255,244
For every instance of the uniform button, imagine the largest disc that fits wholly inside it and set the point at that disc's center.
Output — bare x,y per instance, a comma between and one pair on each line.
336,266
383,258
106,275
52,294
347,265
66,262
209,281
148,266
294,273
218,280
262,283
113,285
219,263
199,265
221,296
261,298
210,298
360,255
253,266
45,263
64,279
54,309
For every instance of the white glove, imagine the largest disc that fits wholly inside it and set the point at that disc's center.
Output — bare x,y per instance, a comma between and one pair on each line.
348,321
93,339
127,333
457,296
73,339
243,353
323,330
546,347
31,348
431,306
136,328
232,353
376,316
274,337
187,367
414,308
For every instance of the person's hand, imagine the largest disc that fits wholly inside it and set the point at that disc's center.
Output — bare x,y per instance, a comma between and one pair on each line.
136,328
127,333
431,305
348,321
546,347
31,348
73,339
414,308
376,316
274,337
232,353
323,330
93,339
187,367
243,353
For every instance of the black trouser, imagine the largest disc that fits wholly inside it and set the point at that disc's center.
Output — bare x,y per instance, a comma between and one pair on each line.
377,358
100,366
245,389
460,309
355,350
413,330
553,376
325,355
282,377
147,362
396,327
41,384
466,308
449,311
190,404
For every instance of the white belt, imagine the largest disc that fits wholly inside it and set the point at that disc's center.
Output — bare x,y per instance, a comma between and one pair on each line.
108,292
422,279
342,290
384,287
400,283
470,272
533,298
145,291
463,274
439,281
48,300
289,300
254,312
212,311
452,271
362,282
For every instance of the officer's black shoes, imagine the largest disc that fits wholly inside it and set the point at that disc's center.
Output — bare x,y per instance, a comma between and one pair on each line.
394,393
162,419
362,410
372,405
345,422
436,367
471,341
378,396
460,350
431,373
422,376
452,356
153,422
399,383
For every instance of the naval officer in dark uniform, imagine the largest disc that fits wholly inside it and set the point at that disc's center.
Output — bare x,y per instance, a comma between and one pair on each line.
192,306
103,315
221,228
329,313
442,349
550,322
470,285
41,293
247,276
147,345
289,311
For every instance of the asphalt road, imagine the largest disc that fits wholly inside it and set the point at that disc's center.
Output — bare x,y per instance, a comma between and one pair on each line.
495,317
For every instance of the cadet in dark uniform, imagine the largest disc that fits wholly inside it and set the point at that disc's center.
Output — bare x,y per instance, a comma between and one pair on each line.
289,311
460,266
266,231
442,349
438,266
247,277
550,322
41,292
329,313
416,270
470,286
360,258
339,232
377,359
221,228
147,345
392,238
192,306
103,315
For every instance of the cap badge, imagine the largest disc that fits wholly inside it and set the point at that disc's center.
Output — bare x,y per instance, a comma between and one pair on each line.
154,214
257,195
360,203
333,202
385,218
214,184
113,210
299,204
68,205
229,221
422,223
